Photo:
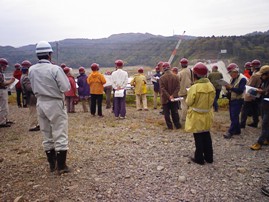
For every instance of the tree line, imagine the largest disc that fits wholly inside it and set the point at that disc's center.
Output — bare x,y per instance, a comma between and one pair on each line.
148,50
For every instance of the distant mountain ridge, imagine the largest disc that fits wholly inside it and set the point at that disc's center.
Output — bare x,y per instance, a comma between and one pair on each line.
145,49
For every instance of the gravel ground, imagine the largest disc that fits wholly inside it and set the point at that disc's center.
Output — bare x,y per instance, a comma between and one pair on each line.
130,160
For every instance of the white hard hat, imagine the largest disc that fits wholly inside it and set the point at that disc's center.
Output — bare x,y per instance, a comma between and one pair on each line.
43,47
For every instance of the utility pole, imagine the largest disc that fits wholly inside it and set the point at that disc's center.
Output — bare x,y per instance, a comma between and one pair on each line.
57,53
175,50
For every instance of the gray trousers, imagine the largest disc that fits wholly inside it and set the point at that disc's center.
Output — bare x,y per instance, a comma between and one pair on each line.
53,121
3,106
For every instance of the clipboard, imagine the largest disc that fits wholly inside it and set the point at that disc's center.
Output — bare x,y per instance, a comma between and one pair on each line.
12,85
252,91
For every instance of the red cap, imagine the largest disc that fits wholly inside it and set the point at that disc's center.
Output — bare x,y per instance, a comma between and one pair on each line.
119,63
160,64
95,67
26,63
141,70
184,61
3,61
232,67
63,65
166,66
200,69
81,70
66,70
215,67
256,63
247,65
17,65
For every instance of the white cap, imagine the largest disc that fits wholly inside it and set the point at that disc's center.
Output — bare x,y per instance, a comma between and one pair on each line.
43,47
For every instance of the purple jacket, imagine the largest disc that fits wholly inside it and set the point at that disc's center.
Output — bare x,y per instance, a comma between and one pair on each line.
83,86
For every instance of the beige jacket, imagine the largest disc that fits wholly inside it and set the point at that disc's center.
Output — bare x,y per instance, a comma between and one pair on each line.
185,80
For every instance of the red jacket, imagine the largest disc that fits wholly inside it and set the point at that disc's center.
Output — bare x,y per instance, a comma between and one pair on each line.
246,73
17,74
73,89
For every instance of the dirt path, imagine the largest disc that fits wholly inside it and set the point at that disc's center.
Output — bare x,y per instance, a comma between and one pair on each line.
130,160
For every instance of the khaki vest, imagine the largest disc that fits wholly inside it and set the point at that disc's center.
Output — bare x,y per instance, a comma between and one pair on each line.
235,96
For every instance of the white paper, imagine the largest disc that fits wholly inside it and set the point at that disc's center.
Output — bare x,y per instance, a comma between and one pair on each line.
155,79
12,85
222,82
266,99
177,99
252,91
119,93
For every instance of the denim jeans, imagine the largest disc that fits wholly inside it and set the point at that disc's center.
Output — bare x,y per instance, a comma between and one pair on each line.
234,109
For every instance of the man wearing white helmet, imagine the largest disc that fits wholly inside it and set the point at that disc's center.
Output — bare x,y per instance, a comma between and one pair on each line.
49,83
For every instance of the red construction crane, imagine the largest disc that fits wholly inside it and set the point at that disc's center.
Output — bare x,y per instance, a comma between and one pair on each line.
175,50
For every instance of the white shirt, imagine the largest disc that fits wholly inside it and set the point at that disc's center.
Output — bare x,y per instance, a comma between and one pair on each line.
119,79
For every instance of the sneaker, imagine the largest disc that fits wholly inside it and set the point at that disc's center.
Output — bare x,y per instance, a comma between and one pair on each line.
266,142
228,136
254,125
265,190
256,146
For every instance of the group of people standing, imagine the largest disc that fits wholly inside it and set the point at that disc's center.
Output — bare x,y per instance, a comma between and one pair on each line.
90,89
248,94
199,93
195,88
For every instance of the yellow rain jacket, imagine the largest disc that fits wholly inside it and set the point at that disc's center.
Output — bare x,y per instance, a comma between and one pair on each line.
140,83
200,100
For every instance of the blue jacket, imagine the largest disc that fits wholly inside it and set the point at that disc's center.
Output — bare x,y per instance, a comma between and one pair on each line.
83,86
156,85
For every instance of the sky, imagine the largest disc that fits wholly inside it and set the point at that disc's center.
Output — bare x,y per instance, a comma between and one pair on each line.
25,22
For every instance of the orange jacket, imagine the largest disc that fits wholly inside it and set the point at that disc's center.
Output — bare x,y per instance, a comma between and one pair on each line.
96,80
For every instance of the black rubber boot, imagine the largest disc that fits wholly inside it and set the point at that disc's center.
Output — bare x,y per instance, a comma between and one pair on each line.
51,156
61,162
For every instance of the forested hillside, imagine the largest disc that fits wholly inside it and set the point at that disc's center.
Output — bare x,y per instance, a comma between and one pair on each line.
148,49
